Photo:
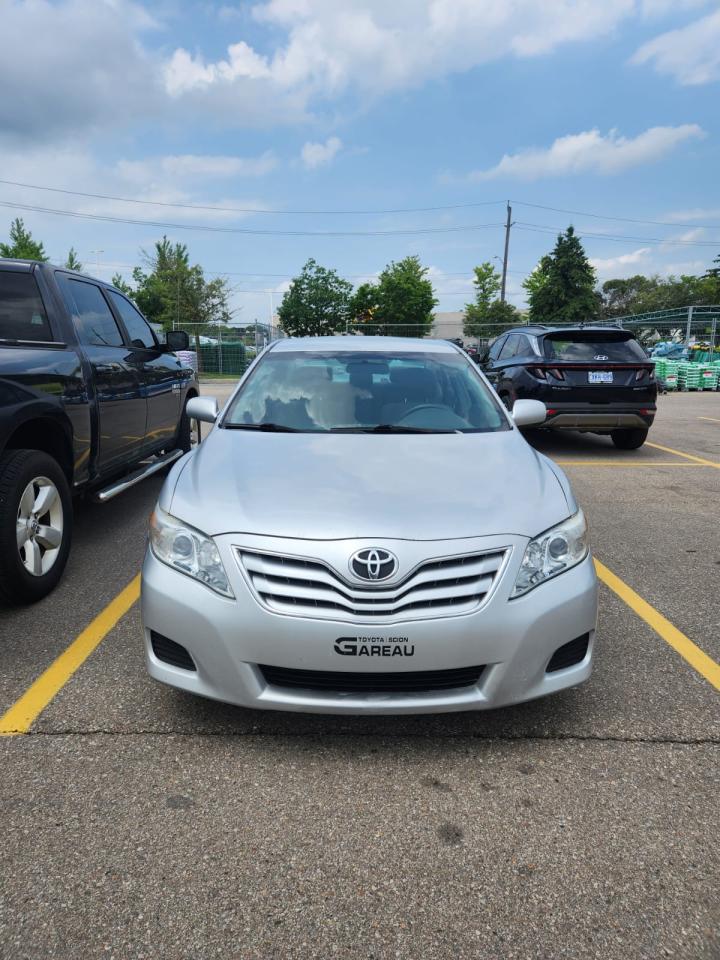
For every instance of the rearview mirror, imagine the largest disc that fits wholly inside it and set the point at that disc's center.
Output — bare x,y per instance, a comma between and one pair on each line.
528,413
177,340
202,408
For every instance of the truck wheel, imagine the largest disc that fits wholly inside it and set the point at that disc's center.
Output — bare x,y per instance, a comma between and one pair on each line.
35,525
629,439
188,435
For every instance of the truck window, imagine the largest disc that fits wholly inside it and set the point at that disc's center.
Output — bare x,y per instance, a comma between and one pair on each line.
22,314
95,323
138,330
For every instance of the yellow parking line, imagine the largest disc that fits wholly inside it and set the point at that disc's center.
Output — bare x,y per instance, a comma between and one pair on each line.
626,463
713,419
688,456
688,650
23,713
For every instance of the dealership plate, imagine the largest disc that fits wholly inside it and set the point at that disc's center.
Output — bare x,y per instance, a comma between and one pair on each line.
600,376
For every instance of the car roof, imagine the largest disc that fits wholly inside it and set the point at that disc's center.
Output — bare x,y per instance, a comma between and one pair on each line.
19,264
540,330
364,345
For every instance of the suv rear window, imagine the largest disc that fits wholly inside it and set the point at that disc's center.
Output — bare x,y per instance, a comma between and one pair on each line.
584,349
22,314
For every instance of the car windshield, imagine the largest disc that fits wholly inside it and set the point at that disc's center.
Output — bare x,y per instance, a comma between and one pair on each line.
583,349
365,392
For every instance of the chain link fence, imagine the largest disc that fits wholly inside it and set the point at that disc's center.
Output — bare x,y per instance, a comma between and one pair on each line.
218,350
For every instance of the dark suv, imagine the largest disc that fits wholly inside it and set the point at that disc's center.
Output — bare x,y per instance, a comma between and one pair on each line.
596,379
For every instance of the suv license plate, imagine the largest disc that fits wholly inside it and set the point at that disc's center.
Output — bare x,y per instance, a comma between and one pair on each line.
600,376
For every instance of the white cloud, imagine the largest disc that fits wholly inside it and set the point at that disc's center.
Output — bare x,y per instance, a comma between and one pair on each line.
590,152
690,54
696,213
375,46
320,154
606,265
169,179
193,167
73,65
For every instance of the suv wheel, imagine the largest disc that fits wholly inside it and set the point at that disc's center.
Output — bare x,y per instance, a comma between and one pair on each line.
629,439
35,525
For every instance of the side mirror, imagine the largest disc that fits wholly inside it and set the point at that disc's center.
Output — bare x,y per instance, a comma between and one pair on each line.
528,413
204,409
177,340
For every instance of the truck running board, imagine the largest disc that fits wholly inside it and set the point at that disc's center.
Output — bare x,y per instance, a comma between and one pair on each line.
147,470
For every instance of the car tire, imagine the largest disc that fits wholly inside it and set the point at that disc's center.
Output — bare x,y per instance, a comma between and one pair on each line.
33,490
629,439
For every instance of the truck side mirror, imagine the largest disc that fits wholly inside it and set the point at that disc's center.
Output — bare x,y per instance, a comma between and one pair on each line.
177,340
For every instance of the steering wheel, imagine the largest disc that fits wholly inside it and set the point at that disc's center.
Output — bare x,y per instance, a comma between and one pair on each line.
422,406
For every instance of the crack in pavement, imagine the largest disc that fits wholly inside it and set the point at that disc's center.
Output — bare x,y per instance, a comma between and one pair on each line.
258,734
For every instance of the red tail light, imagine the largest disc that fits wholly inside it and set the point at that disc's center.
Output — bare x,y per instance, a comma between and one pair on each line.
542,372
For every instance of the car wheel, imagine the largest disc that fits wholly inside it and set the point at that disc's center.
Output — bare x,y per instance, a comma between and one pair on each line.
35,525
629,439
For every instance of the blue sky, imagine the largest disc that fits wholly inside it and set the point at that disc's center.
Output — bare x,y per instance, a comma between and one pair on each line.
336,106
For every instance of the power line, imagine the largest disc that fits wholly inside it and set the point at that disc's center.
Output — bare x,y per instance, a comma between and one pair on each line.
377,212
602,216
198,206
247,231
542,228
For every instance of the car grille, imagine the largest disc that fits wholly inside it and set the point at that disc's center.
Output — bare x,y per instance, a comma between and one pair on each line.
421,681
310,588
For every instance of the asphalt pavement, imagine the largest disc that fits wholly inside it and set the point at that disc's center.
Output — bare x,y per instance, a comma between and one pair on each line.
140,822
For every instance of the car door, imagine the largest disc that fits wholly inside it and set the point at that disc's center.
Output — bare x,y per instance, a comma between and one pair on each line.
504,366
488,365
159,371
121,405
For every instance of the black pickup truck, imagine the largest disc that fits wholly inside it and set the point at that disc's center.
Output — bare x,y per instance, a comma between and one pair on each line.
90,403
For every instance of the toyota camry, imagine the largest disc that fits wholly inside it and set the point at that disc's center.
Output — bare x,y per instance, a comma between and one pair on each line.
366,530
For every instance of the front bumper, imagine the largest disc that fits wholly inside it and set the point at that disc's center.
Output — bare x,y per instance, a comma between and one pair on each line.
599,417
227,639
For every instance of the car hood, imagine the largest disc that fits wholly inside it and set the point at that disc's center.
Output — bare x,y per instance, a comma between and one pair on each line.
341,486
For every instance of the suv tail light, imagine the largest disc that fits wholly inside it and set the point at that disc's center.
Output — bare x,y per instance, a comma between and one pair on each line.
541,372
639,374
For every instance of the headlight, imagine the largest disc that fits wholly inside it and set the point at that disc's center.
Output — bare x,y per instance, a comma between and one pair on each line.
188,551
553,552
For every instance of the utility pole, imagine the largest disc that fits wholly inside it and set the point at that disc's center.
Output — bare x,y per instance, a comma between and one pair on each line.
508,224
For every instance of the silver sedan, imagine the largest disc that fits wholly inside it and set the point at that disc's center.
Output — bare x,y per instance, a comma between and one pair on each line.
366,530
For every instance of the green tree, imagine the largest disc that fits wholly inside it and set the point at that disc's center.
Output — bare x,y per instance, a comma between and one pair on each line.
72,262
538,278
22,246
487,284
400,304
564,290
316,304
117,281
173,292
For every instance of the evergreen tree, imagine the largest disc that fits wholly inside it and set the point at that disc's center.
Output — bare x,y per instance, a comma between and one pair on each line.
72,262
564,290
22,246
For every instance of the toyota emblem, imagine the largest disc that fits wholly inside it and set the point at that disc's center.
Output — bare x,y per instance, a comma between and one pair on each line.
373,563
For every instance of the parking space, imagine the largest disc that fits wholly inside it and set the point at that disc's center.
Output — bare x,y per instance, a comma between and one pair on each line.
141,822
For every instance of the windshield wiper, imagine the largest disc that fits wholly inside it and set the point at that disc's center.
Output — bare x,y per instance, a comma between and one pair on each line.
388,428
265,427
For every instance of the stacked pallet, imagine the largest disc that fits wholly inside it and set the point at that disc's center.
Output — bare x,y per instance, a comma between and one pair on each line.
667,371
697,376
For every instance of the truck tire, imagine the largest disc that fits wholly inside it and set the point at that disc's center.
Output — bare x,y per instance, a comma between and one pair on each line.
629,439
36,517
188,434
